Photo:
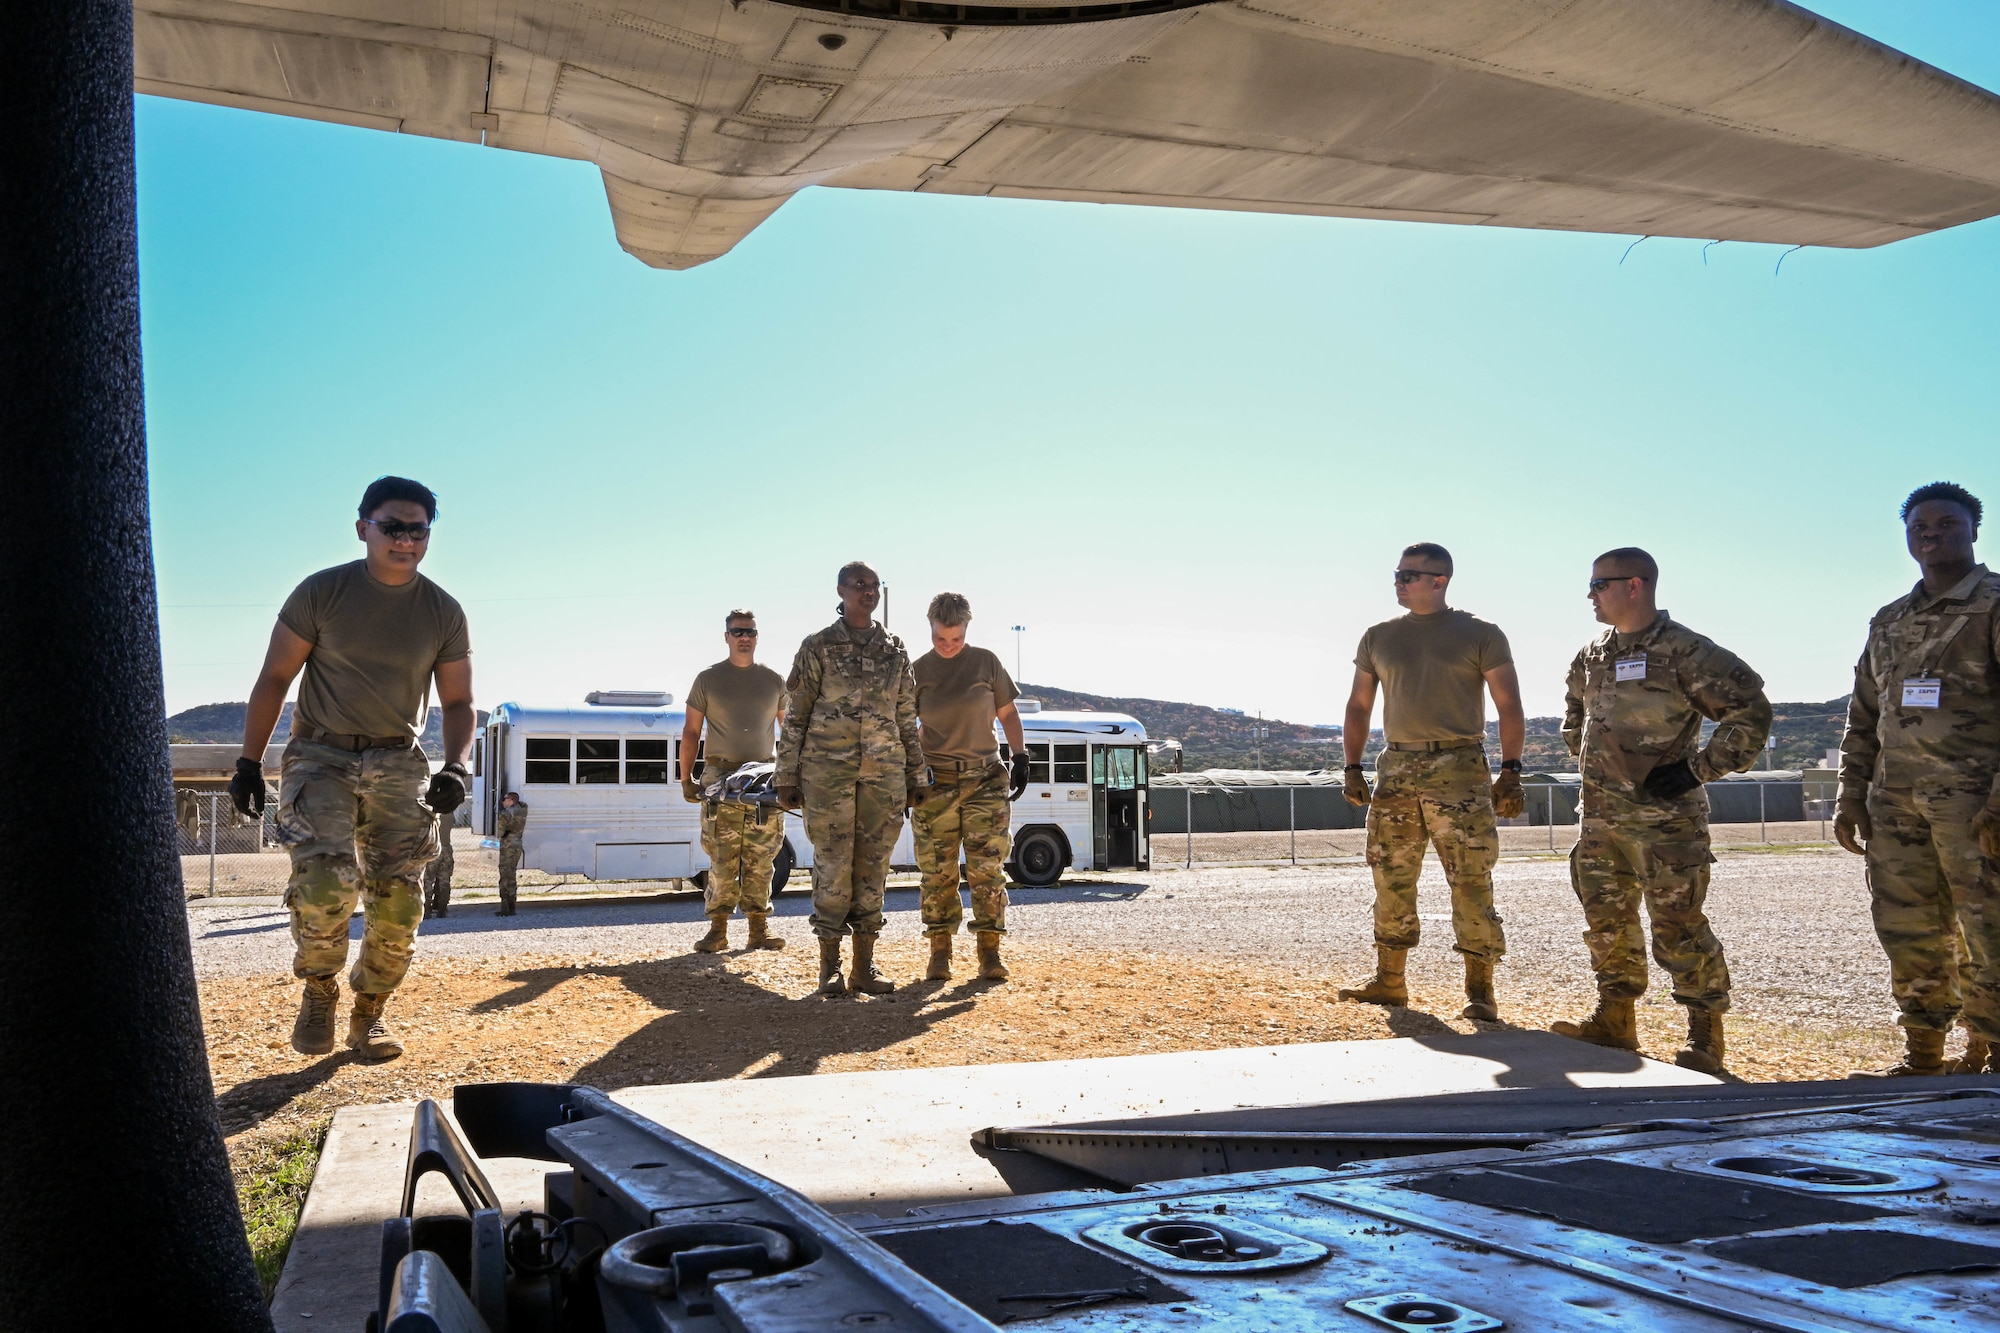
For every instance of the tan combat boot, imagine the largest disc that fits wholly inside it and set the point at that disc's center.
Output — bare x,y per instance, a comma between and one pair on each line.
367,1033
313,1033
1479,991
1977,1058
1612,1024
717,938
830,982
1387,985
760,933
990,966
1923,1056
940,968
1704,1050
864,978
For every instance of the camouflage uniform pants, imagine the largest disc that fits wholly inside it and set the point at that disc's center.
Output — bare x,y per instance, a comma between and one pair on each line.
970,812
1618,862
357,831
437,875
742,841
1442,799
510,861
853,817
1936,901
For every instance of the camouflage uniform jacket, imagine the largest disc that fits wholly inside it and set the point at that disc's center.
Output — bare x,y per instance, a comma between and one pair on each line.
1622,729
1953,638
851,696
512,823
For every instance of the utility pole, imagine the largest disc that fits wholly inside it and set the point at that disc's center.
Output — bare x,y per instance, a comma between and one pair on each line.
1257,734
1019,630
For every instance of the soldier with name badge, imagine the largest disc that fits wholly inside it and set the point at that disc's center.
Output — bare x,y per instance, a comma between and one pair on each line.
1636,699
1920,785
741,704
358,807
1435,666
850,754
437,875
511,823
961,693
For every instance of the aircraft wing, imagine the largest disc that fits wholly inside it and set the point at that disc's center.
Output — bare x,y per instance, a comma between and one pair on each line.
1747,120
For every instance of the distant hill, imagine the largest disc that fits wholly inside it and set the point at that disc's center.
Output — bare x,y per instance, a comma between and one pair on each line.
1219,738
222,724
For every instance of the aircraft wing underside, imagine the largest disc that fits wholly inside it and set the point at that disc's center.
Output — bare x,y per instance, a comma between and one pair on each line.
1746,120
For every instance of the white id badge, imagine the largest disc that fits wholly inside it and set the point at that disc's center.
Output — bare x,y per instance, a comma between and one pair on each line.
1922,692
1631,668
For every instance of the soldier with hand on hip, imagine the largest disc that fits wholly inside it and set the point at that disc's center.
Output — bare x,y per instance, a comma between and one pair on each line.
358,807
961,693
850,754
510,824
437,875
741,704
1435,666
1920,785
1637,696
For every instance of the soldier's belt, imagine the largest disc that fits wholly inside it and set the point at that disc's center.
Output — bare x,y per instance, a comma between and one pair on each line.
342,740
964,765
1437,745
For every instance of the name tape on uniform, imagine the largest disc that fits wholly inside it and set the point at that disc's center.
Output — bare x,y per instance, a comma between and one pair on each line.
1922,692
1631,668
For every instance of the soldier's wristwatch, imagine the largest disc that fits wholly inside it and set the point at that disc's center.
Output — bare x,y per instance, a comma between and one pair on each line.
1511,765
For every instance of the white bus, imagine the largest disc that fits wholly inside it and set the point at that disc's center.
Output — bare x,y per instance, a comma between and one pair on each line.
598,780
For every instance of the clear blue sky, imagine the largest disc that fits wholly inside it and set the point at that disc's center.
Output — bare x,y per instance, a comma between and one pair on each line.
1182,447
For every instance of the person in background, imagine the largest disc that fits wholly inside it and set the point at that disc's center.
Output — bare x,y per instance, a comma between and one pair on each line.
741,704
511,824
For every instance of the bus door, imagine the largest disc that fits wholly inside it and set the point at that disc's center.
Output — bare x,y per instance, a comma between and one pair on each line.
491,763
1117,775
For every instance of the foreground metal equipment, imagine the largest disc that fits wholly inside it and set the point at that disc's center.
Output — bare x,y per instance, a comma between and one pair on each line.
1810,1210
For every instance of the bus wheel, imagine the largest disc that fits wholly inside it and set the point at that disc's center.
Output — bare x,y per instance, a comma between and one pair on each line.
700,880
1038,859
781,869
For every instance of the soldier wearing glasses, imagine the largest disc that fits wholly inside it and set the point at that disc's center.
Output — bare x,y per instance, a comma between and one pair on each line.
358,807
1637,697
741,704
1435,666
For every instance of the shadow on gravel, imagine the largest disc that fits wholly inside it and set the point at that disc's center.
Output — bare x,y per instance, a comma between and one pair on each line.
251,1101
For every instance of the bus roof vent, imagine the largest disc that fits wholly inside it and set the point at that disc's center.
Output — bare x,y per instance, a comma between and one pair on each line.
628,698
1027,705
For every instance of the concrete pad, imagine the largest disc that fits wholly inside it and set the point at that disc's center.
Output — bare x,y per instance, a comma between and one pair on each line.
881,1142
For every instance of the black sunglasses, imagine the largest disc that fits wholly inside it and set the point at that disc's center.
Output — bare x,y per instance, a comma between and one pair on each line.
396,531
1599,585
1412,575
739,632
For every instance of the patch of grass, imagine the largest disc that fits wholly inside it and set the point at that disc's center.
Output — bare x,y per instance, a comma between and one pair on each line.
272,1174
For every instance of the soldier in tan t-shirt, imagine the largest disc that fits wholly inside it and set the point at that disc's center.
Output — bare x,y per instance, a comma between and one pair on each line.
962,692
1435,667
741,703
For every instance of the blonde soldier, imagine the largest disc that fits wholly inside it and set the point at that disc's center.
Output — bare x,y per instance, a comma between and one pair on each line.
742,704
850,754
1920,784
1636,699
961,693
358,805
1435,666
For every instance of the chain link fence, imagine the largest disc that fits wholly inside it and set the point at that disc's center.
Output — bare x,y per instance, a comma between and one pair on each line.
224,854
1298,824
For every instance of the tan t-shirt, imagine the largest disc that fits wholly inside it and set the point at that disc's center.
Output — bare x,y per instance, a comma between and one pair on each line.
374,650
1433,673
740,705
958,699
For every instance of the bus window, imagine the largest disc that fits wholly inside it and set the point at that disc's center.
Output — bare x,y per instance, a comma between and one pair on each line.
597,760
648,761
1072,764
1121,773
548,761
1038,763
1139,766
479,757
1097,767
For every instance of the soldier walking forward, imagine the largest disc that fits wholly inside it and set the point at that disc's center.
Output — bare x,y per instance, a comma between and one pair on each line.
510,823
1920,785
961,693
437,875
741,703
1435,666
849,753
358,806
1636,698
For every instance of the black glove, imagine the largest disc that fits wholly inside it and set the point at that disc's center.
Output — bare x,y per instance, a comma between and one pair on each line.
1017,777
447,790
246,789
1669,781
